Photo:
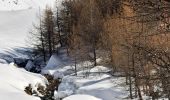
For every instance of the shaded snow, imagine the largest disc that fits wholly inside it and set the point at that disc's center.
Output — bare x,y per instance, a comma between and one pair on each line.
29,65
3,61
58,75
54,62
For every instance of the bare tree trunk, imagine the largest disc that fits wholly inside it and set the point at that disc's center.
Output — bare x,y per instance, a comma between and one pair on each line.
130,87
135,77
43,48
58,26
138,89
42,40
130,79
94,53
75,65
49,43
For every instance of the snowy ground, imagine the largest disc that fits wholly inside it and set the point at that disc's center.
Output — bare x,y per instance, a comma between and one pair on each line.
13,81
94,82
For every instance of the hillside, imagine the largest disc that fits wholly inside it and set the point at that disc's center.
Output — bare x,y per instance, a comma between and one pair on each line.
17,18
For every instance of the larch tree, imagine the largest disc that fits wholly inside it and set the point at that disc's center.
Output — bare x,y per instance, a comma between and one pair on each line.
91,26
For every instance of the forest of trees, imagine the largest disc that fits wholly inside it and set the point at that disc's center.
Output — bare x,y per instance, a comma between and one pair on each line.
133,33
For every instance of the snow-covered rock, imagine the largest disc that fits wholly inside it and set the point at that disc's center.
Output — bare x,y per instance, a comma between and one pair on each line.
66,88
55,68
58,75
59,95
54,62
13,81
7,58
81,97
3,61
29,65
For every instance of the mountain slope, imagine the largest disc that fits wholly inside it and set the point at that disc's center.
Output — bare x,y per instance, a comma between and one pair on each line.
17,18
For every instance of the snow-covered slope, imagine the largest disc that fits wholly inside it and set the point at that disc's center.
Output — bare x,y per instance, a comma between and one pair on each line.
17,18
14,80
14,27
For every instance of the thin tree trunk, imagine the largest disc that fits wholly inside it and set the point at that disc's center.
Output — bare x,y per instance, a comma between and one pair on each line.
75,66
43,48
58,26
49,43
130,87
137,91
94,54
130,79
42,40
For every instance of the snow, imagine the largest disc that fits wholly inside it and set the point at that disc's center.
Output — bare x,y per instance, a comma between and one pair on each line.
67,86
100,69
60,94
54,62
83,97
14,80
17,18
100,85
29,65
3,61
58,75
8,5
93,81
14,28
106,88
55,67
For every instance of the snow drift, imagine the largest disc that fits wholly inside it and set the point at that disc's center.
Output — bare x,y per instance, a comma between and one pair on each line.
13,81
82,97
